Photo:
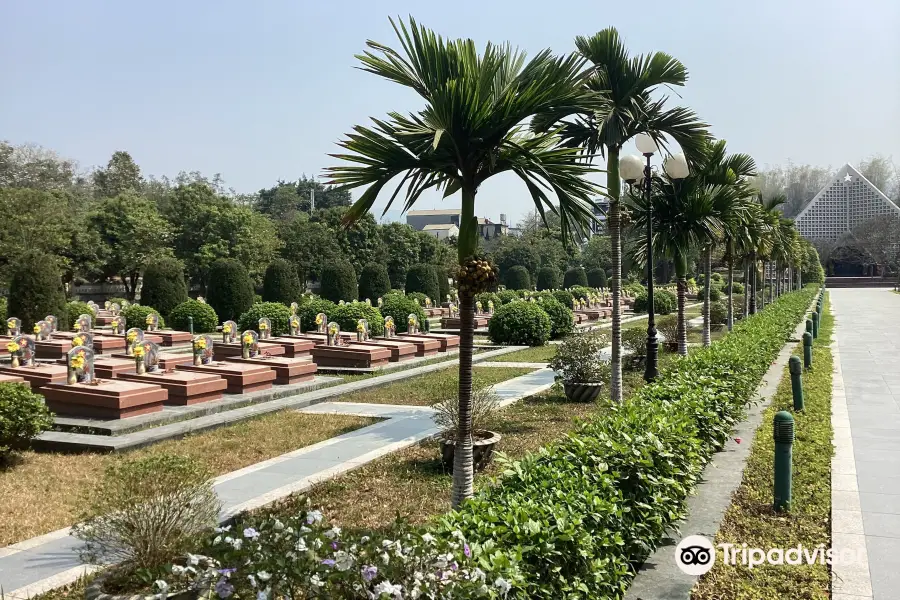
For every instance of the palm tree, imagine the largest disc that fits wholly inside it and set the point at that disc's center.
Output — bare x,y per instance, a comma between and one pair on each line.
473,126
620,107
768,242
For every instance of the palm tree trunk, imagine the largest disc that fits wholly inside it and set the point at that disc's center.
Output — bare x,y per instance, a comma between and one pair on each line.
613,185
730,318
682,325
762,293
774,282
753,285
707,275
748,289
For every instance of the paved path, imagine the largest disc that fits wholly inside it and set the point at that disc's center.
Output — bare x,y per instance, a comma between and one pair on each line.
866,415
49,561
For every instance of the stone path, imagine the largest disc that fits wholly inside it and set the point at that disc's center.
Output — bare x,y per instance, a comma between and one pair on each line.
866,465
33,566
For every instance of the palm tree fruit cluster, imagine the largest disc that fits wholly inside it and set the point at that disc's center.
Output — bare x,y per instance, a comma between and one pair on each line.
477,275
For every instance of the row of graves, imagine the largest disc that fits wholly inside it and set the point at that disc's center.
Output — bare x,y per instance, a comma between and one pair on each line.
84,374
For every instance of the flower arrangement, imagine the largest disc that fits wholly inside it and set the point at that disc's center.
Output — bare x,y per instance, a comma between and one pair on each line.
411,321
247,339
151,318
12,347
131,337
37,329
200,344
77,361
11,324
333,328
360,328
319,320
263,326
226,328
77,341
139,351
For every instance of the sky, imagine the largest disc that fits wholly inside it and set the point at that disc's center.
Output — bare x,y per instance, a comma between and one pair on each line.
261,91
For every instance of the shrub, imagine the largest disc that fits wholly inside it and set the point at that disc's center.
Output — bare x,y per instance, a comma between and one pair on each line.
147,511
3,306
520,324
715,293
23,415
547,279
120,301
347,316
577,358
580,291
507,296
716,277
308,311
374,282
634,289
483,297
418,297
575,276
737,304
634,340
737,287
668,327
230,291
565,298
73,310
485,403
400,307
561,318
339,282
443,284
276,312
718,313
596,278
423,278
517,278
35,289
205,318
163,285
281,283
664,302
136,316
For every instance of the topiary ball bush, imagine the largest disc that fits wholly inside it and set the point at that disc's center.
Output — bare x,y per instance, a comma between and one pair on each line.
596,278
664,302
230,290
547,279
136,316
35,289
400,307
575,276
484,297
718,313
517,278
418,297
737,304
281,283
73,310
374,282
23,415
520,324
565,298
348,315
423,278
308,311
562,320
715,293
737,288
339,282
205,318
580,291
716,277
276,312
507,296
163,285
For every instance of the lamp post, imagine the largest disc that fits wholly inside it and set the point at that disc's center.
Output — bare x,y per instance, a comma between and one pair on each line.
633,169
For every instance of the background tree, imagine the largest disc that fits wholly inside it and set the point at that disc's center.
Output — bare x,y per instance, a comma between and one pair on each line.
360,243
511,251
163,285
35,289
423,278
575,276
121,175
597,253
517,278
230,290
309,246
339,282
34,167
280,283
403,246
547,279
374,282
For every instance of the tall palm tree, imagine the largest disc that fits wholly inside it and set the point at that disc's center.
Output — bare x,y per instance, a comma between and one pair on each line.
473,126
620,107
771,238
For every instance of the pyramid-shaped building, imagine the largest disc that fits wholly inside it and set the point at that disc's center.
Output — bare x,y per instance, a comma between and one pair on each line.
848,200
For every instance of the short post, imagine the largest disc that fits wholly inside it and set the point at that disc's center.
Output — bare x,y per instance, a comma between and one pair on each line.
783,432
191,324
807,351
809,326
815,320
796,371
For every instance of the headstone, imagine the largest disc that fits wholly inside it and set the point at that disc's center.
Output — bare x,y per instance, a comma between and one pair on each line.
368,302
21,347
427,302
53,322
390,328
80,363
412,323
362,330
294,324
265,328
416,300
152,322
83,338
107,304
42,330
201,299
202,346
333,337
380,302
118,325
13,326
151,356
490,307
95,308
449,299
454,309
115,308
321,323
341,303
133,336
84,323
478,307
294,308
250,343
229,332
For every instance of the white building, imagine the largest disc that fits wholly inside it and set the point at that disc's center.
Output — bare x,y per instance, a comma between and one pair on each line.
848,200
442,231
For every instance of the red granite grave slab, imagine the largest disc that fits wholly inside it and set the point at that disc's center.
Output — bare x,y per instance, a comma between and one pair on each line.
399,350
184,387
108,367
38,375
222,351
293,347
355,356
14,379
345,335
170,337
4,340
170,361
448,342
425,346
287,370
103,319
53,349
109,399
434,312
64,335
241,378
315,338
108,343
148,337
454,322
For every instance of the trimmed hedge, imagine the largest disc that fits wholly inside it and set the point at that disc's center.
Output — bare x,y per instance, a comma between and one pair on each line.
718,313
229,291
561,318
347,315
507,296
72,311
517,278
547,279
308,311
163,285
565,298
205,317
520,324
737,286
596,278
575,276
715,293
35,290
423,278
583,511
136,316
374,282
281,283
23,416
276,312
339,282
400,307
664,302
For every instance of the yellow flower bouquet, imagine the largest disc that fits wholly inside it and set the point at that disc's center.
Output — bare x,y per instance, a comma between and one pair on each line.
200,344
263,326
247,339
226,328
360,327
37,329
333,328
77,361
77,341
149,319
12,347
132,336
11,324
319,320
139,351
411,321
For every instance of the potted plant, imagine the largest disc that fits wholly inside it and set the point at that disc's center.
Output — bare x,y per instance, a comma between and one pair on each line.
580,367
484,404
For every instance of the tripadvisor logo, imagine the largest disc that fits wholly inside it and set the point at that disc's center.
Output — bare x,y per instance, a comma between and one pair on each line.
695,555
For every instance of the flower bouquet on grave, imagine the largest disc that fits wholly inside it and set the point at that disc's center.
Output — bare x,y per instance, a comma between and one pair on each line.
11,327
139,359
77,341
14,350
149,321
76,365
130,339
226,333
246,344
199,346
263,329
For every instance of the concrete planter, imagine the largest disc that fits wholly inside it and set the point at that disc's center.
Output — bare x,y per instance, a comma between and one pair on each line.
582,392
482,450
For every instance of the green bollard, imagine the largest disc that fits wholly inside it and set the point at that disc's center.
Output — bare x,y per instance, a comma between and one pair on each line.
783,433
809,325
807,351
796,371
191,324
815,320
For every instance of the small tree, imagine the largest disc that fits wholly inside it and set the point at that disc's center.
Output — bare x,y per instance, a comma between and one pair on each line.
281,283
575,276
423,278
374,282
164,287
35,289
547,279
230,291
339,282
443,283
596,278
517,278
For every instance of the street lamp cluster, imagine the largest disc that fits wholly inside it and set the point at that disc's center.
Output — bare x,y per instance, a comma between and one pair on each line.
634,170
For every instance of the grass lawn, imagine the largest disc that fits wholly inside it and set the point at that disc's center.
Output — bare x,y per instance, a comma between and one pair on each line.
750,519
537,354
425,390
42,492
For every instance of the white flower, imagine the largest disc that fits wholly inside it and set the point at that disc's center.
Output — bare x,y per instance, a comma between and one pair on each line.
262,595
278,525
161,585
223,529
477,574
333,533
217,540
301,545
178,569
252,580
385,557
314,516
236,543
342,560
317,543
427,538
502,585
193,559
386,587
364,539
316,581
264,575
305,529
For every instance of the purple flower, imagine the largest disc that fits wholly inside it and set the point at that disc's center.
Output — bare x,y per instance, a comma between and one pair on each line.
228,571
251,533
224,589
466,550
328,562
369,572
454,566
334,545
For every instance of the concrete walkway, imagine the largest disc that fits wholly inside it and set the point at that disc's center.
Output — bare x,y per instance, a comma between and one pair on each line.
866,466
37,565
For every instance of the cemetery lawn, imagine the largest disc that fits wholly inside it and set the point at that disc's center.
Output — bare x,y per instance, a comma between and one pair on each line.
425,390
537,354
751,520
42,492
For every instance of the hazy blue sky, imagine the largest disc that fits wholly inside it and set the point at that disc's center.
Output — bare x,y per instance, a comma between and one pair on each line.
259,91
